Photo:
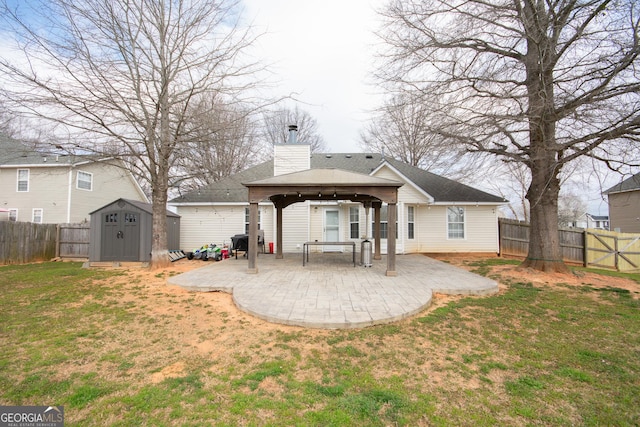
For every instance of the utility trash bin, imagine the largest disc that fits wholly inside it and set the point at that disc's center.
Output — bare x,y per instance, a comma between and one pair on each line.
365,253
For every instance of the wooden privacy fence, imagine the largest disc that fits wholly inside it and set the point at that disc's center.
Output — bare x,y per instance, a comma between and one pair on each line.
73,240
22,242
514,241
590,247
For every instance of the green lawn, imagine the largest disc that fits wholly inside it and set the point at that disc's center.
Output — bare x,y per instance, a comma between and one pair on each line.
93,340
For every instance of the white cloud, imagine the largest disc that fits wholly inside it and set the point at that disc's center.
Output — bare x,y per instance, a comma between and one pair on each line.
322,51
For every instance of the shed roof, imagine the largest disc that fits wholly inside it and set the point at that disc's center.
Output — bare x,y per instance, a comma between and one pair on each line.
145,207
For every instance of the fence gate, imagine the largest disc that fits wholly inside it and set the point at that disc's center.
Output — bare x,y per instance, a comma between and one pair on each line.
609,249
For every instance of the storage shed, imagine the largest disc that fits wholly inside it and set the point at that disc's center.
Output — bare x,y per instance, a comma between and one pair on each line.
122,231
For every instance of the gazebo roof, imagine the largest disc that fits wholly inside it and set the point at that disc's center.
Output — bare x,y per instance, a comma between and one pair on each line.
324,177
323,184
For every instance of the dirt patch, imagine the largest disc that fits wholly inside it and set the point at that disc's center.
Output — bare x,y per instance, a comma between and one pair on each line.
516,273
174,370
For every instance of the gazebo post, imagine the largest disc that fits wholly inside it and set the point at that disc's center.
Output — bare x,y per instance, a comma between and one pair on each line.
376,230
279,254
391,240
253,237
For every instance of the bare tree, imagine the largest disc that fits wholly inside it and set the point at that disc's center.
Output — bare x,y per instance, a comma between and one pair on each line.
276,125
223,139
511,180
120,76
402,128
534,82
570,208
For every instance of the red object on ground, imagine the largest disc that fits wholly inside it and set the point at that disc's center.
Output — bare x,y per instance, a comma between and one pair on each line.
225,253
270,247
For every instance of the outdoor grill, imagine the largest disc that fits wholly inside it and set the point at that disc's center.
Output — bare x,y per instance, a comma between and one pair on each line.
240,242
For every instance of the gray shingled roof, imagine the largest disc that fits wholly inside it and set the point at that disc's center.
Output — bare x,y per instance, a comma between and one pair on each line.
628,184
442,189
16,153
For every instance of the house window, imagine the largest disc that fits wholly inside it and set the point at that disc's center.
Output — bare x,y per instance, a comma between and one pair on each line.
23,180
37,216
410,222
246,220
84,181
13,215
354,222
455,222
384,220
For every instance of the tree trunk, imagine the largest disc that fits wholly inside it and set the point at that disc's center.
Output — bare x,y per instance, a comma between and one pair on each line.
545,253
159,246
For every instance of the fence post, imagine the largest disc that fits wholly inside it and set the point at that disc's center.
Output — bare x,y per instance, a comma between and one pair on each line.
57,240
585,263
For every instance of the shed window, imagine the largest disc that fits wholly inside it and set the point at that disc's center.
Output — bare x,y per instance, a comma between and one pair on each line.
23,180
455,222
84,181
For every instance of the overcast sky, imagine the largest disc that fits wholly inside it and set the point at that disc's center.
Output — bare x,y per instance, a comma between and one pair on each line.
321,50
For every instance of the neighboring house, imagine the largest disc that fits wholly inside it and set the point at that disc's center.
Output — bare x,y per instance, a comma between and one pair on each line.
597,221
50,188
588,220
624,205
434,214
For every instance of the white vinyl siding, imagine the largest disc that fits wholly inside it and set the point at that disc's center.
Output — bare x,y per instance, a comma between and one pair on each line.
23,180
84,181
37,215
289,158
200,225
481,231
295,229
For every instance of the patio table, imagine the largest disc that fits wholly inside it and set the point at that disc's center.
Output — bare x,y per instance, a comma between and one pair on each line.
305,249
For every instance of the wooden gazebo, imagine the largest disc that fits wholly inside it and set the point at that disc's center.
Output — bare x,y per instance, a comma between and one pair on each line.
324,184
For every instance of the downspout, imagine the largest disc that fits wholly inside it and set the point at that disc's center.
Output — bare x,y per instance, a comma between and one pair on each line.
402,227
69,195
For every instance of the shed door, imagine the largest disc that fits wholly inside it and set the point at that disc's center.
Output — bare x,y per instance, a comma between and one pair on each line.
120,236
